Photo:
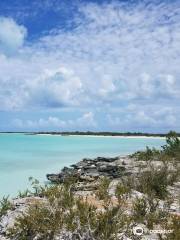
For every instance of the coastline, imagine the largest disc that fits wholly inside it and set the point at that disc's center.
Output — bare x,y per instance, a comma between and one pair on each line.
98,136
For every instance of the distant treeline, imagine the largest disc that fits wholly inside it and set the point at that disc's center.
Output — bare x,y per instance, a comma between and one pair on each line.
106,133
97,133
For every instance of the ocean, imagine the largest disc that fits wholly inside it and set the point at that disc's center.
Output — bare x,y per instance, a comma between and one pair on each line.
23,156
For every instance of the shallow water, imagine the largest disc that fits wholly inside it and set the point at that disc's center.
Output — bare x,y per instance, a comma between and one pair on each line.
22,156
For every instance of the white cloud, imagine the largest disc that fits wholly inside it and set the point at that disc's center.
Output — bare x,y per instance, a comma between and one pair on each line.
61,87
85,121
12,35
119,55
145,117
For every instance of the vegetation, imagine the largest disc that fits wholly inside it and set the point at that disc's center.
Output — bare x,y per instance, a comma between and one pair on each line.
62,211
5,205
102,192
147,155
175,226
23,194
170,151
146,210
123,190
172,147
154,182
107,133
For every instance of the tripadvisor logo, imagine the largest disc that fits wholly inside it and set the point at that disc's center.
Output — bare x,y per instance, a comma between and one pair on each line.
138,230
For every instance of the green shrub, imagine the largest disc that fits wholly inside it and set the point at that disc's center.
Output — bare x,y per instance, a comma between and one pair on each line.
154,182
37,189
5,205
146,210
172,147
38,221
23,194
43,219
62,211
147,155
140,209
122,191
109,224
170,151
174,225
102,192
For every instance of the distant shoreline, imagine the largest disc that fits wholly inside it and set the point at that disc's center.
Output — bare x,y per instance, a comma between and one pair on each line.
96,134
99,136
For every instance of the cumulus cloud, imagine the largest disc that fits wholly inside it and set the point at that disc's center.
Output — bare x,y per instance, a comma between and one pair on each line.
155,118
118,54
12,35
87,120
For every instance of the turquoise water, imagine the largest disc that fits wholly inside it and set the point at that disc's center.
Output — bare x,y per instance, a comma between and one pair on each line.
22,156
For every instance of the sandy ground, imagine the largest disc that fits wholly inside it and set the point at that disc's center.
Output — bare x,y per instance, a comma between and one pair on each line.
94,136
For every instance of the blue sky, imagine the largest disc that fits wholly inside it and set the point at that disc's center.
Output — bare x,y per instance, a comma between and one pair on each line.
89,65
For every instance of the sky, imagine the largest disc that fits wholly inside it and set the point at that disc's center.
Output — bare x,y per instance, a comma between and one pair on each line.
90,65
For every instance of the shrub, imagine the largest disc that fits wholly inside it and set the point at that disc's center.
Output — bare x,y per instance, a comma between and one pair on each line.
37,189
174,225
146,210
23,194
154,182
170,151
38,221
147,155
172,147
102,192
109,224
5,205
140,209
43,220
122,190
63,212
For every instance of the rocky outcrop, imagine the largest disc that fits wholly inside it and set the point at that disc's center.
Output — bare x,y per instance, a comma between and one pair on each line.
92,169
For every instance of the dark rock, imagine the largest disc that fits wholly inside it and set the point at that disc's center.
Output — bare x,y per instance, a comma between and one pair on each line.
104,159
107,168
55,178
90,170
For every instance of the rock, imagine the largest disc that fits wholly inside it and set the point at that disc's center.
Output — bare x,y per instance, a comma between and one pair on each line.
55,178
86,187
175,207
91,169
136,194
103,159
87,178
107,168
112,187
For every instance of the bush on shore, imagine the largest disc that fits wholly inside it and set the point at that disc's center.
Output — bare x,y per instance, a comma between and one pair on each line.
5,205
170,151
